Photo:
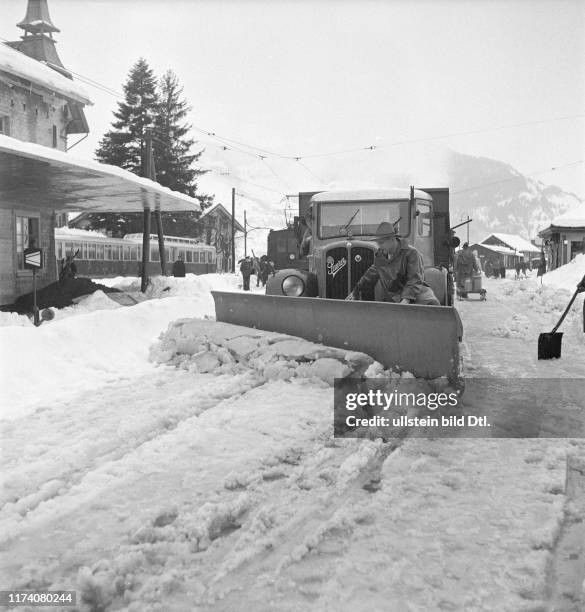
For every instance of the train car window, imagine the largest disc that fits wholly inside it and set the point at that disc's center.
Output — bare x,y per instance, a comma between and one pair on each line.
281,246
154,254
168,254
91,251
195,257
189,257
84,251
108,252
209,257
68,247
116,252
58,250
77,247
99,251
126,253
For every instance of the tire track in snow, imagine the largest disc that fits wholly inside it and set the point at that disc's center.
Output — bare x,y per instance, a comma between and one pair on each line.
35,488
315,516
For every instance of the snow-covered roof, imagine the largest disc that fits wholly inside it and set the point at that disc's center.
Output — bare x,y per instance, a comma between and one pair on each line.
33,176
514,241
219,206
502,250
368,194
18,64
81,233
572,218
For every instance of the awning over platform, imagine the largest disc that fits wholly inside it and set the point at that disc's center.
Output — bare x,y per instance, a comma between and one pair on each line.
37,177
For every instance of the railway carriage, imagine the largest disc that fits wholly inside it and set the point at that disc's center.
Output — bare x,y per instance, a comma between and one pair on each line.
99,256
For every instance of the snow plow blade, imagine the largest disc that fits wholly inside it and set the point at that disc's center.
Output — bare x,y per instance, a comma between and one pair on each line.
423,340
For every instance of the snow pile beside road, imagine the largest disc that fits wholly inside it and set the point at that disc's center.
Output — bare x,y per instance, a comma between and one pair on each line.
203,346
567,276
12,318
189,286
518,326
75,353
545,304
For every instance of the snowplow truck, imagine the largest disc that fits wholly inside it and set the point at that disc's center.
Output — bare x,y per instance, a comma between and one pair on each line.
335,233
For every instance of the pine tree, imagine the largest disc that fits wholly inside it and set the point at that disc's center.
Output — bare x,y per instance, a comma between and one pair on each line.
172,145
124,144
158,109
173,157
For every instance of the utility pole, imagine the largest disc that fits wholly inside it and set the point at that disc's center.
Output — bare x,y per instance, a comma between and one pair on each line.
245,235
233,230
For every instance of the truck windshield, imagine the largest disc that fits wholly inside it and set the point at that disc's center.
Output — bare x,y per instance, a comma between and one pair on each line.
362,218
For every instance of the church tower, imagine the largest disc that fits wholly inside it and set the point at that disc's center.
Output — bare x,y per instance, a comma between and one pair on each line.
38,42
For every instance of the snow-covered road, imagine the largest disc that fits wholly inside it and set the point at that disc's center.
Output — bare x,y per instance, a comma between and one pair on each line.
193,482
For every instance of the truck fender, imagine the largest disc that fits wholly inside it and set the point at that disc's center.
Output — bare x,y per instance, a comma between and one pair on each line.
276,285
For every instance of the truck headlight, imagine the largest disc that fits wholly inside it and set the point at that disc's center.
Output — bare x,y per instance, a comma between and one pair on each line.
293,286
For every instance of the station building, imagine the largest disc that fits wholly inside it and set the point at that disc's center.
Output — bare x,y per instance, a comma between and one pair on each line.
564,238
41,107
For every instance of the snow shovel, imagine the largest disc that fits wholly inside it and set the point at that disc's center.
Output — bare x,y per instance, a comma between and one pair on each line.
549,344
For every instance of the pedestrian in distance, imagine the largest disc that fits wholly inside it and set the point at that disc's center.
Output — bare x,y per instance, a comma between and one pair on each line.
246,270
266,267
256,270
68,267
399,269
517,267
179,267
465,266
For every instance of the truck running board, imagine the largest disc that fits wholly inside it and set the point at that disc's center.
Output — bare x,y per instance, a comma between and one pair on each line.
423,340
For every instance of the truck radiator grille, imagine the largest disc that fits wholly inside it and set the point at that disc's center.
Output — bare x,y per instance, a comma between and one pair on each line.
336,271
342,263
361,259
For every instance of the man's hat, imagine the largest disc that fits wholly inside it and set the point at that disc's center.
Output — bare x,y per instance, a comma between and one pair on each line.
385,230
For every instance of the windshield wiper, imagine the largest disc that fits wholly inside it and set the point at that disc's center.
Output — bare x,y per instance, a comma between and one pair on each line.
344,227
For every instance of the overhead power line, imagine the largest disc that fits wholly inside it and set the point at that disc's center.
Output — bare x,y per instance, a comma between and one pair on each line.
261,153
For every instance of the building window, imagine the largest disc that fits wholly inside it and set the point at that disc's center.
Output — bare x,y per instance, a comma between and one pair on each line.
54,137
4,127
27,236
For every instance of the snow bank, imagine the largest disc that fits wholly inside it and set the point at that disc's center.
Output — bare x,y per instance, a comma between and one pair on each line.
192,285
204,346
85,347
567,276
545,303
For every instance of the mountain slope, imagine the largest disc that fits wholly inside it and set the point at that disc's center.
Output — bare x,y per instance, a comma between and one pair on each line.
496,196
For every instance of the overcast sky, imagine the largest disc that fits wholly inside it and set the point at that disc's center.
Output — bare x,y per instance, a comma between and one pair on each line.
311,77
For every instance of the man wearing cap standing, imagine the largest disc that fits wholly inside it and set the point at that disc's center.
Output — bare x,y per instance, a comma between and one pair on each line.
400,270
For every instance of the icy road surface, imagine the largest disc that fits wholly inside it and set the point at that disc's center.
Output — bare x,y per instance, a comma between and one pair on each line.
197,471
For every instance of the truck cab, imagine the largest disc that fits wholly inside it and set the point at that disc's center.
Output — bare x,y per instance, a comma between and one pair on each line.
335,236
